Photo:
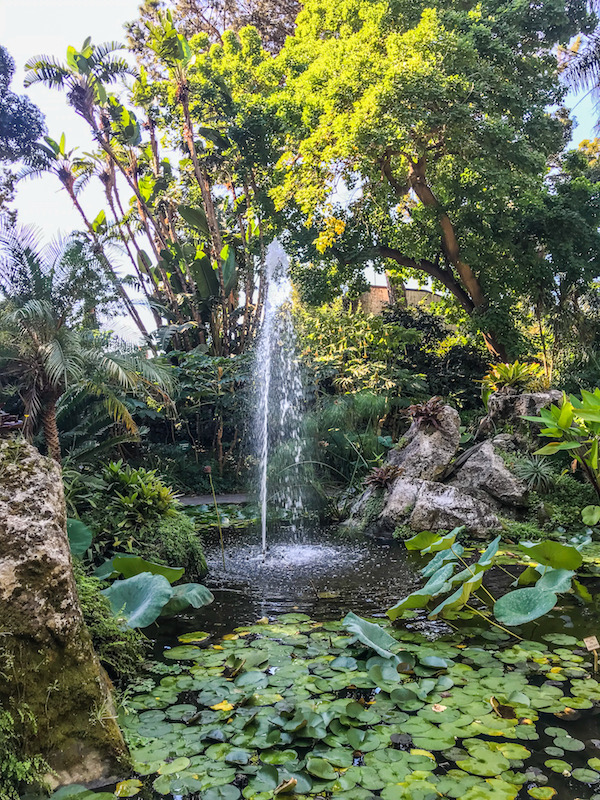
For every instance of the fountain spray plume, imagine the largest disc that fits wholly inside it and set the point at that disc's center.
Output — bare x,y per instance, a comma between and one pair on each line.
280,398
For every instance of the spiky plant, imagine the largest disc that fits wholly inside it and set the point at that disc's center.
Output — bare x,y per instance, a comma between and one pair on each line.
536,473
427,415
382,477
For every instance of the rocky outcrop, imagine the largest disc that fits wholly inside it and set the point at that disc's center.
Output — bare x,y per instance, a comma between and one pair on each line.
434,490
427,452
504,407
485,475
54,671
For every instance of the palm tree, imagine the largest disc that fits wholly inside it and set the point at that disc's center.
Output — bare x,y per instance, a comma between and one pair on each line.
48,303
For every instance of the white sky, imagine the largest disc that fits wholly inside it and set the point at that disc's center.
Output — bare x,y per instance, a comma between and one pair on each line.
34,27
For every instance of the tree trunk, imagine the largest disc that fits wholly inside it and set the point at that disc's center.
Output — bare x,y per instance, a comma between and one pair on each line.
50,427
54,673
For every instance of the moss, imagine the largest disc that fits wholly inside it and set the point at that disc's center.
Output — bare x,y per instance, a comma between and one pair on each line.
562,508
17,769
175,541
372,510
121,651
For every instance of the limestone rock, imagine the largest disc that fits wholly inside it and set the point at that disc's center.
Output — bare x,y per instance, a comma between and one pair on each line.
486,472
426,505
428,452
504,407
55,669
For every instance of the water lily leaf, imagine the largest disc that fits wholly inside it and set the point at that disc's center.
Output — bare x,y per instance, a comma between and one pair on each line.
541,792
183,653
483,761
130,565
524,605
186,595
139,600
253,679
344,663
553,554
195,637
128,788
569,743
320,768
370,634
586,775
557,765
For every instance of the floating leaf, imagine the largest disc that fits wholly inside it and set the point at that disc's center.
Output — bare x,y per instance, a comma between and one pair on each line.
524,605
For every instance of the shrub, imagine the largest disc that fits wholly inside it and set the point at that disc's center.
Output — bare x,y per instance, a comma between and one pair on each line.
137,496
536,472
172,540
121,650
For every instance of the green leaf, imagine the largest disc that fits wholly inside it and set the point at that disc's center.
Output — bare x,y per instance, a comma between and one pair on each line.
129,566
556,580
422,540
195,217
524,605
139,600
553,554
320,768
370,634
80,536
186,595
554,447
590,515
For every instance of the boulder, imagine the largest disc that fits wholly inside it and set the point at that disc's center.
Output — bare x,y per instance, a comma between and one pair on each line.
506,408
485,473
55,672
426,505
428,452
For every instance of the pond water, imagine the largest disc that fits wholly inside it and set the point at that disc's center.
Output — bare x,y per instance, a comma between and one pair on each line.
221,717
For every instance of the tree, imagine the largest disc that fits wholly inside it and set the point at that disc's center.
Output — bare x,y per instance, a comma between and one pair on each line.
21,126
47,342
434,124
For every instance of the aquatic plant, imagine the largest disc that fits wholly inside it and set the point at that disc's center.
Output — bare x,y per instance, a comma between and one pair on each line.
352,708
451,592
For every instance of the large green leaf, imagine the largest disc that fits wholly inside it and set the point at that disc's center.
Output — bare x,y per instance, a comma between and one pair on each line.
556,580
80,536
370,634
129,565
553,554
196,218
229,270
139,600
186,595
524,605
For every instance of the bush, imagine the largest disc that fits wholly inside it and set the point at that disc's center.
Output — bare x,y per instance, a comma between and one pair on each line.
121,650
136,496
175,541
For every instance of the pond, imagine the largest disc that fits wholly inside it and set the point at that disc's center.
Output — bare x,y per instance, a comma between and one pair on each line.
265,692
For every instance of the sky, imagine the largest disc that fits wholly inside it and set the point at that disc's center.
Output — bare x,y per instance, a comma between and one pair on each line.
35,27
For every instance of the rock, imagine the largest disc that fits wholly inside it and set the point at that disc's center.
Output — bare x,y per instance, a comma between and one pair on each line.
426,505
55,672
505,408
428,452
486,472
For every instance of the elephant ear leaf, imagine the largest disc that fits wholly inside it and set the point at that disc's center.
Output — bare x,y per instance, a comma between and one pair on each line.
229,270
80,536
139,600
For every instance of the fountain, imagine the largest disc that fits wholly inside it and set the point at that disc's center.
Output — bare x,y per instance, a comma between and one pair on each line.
280,398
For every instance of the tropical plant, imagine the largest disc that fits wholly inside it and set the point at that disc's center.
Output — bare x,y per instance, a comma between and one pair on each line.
536,472
510,377
47,345
382,477
136,496
450,592
427,415
575,427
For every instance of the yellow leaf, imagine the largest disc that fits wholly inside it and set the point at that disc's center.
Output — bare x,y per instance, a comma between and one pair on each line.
556,669
230,636
217,647
222,706
417,752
